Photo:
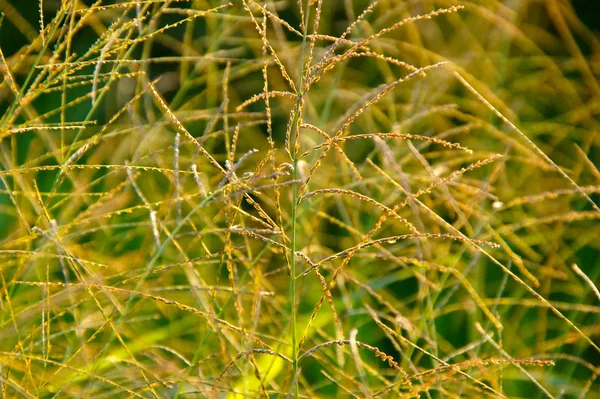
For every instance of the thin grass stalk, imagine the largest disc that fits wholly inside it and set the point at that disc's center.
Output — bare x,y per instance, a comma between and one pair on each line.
293,147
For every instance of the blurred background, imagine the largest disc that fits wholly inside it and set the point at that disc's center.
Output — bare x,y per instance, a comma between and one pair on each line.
145,248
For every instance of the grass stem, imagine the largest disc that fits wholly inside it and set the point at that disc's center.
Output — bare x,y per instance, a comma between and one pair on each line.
294,153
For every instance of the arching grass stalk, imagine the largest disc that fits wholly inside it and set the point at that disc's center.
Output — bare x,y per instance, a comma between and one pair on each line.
294,153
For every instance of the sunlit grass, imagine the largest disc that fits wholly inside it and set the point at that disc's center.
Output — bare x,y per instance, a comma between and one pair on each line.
299,199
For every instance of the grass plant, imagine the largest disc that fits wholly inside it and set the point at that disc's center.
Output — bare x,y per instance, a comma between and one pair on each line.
299,199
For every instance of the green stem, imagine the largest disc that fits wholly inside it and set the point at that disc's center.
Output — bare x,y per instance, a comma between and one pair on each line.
293,282
293,138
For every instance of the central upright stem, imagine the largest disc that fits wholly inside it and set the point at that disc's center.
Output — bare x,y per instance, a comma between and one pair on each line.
293,284
293,138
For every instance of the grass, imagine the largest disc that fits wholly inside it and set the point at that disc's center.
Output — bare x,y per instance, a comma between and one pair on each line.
304,199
